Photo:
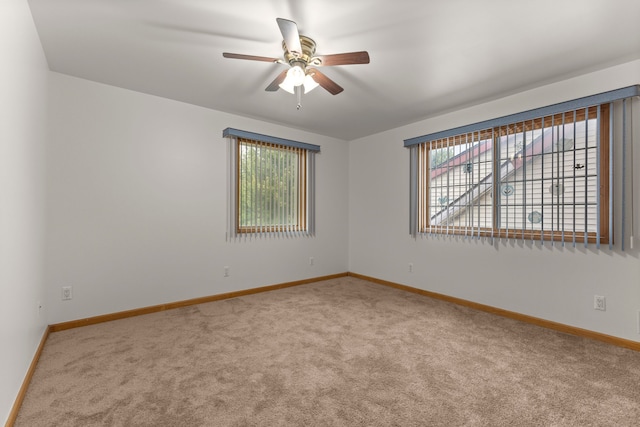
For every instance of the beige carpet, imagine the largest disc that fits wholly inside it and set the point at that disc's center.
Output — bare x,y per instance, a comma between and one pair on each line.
343,352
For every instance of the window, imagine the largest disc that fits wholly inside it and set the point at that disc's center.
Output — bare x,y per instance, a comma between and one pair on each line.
537,177
271,185
271,188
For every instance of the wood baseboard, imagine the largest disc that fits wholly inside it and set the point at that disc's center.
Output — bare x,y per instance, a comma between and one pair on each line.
154,309
572,330
27,380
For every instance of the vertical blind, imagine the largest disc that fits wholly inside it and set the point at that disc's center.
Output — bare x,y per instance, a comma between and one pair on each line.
271,186
531,175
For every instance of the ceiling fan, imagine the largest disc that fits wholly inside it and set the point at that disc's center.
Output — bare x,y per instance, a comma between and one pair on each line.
300,55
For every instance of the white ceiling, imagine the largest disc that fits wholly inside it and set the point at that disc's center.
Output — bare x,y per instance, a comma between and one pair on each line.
427,56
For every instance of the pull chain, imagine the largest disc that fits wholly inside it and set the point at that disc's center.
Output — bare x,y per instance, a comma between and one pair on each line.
298,90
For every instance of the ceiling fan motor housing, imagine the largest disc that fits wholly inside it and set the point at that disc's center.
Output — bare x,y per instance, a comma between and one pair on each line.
308,50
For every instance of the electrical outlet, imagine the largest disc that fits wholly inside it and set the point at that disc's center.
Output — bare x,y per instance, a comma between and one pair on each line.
599,302
226,271
311,260
67,293
410,267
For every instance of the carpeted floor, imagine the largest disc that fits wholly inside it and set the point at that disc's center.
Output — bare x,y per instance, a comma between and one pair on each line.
343,352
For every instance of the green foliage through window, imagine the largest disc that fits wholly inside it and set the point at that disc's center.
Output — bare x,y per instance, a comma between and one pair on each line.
271,187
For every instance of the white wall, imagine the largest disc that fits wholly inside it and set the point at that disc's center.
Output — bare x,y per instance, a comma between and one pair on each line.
552,283
23,80
136,189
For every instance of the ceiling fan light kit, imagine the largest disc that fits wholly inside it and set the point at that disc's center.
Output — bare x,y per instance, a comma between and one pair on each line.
295,74
299,54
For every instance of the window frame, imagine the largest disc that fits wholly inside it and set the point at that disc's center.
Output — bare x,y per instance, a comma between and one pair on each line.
302,183
605,181
306,204
420,177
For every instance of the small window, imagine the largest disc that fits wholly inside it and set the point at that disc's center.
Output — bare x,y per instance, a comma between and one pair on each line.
271,185
540,179
272,188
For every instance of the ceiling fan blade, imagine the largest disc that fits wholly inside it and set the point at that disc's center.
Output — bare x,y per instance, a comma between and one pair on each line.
291,36
332,87
249,57
275,84
361,57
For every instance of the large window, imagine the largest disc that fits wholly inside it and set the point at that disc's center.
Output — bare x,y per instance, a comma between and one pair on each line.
271,189
551,179
544,175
